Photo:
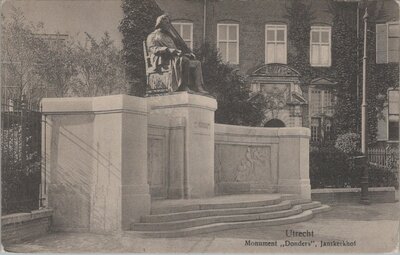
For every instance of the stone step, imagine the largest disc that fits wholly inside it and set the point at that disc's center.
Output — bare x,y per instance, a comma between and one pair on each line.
321,209
303,216
184,224
300,201
310,205
214,206
289,197
284,205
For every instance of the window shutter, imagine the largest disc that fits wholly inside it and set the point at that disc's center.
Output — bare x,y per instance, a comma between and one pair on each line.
381,43
394,99
394,41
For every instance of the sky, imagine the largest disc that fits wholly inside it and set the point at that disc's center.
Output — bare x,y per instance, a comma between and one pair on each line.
72,17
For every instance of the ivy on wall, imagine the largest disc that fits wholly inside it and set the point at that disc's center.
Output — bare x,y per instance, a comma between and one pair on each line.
300,17
347,53
380,77
345,65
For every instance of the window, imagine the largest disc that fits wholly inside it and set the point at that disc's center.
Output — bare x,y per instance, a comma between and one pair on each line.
295,116
228,42
393,116
315,126
322,101
315,104
185,30
275,44
387,43
329,102
320,46
328,130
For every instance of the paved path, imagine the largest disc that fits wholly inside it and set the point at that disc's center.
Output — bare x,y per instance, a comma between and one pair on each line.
374,228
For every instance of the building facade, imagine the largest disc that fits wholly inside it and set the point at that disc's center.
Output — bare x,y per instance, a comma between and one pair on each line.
256,37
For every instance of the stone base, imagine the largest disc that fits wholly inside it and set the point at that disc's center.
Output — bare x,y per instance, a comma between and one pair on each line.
175,193
133,207
197,176
225,188
299,187
96,162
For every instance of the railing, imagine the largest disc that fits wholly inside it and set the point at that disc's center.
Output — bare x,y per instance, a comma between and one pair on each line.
21,156
384,156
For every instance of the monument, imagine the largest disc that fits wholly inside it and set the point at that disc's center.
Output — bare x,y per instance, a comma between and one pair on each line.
107,157
168,55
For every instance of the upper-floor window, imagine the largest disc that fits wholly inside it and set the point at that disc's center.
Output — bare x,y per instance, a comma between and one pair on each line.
393,116
275,44
228,42
320,46
322,102
387,43
185,30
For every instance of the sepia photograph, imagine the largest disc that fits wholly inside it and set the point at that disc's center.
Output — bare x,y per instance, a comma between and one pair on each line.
200,126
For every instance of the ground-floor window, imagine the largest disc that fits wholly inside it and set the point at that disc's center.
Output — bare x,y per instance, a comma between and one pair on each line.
393,115
321,129
315,129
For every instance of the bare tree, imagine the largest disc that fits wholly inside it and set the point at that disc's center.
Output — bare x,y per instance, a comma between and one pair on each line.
100,68
20,49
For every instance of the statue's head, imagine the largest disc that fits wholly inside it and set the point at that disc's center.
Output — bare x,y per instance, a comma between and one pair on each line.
163,21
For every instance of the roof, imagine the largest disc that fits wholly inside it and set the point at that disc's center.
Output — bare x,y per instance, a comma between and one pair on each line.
322,81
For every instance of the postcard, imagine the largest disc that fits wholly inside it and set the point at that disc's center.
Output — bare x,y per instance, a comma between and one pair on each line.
207,126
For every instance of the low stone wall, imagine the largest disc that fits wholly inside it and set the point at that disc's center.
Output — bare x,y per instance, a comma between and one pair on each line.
23,226
107,157
352,195
261,160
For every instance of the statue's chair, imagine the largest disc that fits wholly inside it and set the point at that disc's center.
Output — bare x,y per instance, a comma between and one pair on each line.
158,79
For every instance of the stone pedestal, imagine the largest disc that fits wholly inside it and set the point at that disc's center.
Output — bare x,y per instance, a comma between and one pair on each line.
96,162
294,177
198,146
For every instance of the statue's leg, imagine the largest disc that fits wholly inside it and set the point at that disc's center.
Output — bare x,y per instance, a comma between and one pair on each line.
183,67
198,76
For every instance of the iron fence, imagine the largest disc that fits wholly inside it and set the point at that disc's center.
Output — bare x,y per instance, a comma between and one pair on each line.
21,156
384,156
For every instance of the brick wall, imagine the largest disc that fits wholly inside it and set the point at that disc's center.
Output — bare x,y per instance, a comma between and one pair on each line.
251,15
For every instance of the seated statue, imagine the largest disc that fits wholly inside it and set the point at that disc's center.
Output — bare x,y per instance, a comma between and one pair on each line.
166,47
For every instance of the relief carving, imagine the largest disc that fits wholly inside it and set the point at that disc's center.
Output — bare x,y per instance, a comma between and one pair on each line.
254,166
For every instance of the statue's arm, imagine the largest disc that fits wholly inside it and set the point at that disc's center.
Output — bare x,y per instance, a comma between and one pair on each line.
156,48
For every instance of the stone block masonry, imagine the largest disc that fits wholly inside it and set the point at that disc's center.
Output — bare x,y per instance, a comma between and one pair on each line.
262,160
198,141
96,162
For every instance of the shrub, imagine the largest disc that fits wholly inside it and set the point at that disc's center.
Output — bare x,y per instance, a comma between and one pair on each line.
348,143
332,168
382,177
20,175
138,21
229,88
